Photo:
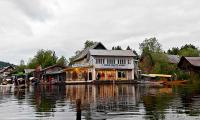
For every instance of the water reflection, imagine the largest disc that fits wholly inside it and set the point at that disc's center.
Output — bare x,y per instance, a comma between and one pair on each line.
45,98
101,102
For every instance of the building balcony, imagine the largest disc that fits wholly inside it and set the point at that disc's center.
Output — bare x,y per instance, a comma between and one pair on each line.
114,66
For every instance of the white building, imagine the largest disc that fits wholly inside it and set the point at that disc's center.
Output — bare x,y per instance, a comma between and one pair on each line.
111,64
98,63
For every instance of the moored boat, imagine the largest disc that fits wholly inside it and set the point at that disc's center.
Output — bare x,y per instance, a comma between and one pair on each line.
20,83
175,82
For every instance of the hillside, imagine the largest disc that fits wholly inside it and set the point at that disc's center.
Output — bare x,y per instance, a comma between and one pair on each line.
4,64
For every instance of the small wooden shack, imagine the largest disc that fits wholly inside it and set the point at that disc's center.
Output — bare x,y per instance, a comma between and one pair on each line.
6,71
54,73
189,64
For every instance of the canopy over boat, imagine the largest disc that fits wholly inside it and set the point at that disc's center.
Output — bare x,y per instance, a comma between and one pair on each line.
161,75
156,75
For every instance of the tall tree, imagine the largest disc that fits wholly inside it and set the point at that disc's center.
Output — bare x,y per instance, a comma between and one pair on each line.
150,45
137,56
173,51
62,61
44,58
188,46
113,48
88,43
117,48
189,52
128,48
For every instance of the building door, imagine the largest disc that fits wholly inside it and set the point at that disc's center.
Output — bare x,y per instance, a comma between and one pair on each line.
90,75
122,75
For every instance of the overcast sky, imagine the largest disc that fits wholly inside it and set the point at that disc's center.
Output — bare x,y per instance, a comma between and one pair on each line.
64,25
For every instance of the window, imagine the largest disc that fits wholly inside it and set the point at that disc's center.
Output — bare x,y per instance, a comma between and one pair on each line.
110,61
100,61
121,61
121,74
129,61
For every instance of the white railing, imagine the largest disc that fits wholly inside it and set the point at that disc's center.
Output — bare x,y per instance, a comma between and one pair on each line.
115,66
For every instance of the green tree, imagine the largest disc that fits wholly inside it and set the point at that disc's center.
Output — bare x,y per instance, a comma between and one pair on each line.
71,60
189,52
135,53
150,45
128,48
62,61
44,58
113,48
20,68
88,43
173,51
117,48
188,46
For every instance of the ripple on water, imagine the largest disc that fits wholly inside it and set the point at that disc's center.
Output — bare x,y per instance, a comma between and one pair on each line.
118,102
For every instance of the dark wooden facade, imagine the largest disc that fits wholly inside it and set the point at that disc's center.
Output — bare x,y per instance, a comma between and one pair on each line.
52,73
190,64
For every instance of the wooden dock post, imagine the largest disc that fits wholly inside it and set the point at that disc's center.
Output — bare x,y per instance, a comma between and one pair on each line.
78,109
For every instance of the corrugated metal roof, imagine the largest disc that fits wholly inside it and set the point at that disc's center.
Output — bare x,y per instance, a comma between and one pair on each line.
173,59
125,53
195,61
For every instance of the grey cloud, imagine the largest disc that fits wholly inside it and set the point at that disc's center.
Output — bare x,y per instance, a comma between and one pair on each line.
113,22
33,9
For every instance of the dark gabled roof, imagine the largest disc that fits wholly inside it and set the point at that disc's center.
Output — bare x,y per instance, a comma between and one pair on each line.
5,68
195,61
189,63
173,59
53,66
122,53
84,52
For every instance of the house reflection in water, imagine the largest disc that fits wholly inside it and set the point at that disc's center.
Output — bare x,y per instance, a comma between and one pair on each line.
103,99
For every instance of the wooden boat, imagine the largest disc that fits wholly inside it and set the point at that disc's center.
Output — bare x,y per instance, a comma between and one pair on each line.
151,82
34,81
151,78
175,82
20,83
4,82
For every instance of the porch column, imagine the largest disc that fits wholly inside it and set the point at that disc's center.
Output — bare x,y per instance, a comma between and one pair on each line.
132,74
116,75
93,74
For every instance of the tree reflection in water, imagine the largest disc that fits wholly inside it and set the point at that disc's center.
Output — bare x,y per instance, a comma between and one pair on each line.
190,98
104,101
45,98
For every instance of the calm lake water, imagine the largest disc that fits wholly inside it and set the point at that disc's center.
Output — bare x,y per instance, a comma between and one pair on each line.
103,102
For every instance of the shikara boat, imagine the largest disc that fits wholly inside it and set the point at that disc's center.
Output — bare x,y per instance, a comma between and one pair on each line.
175,82
20,83
152,78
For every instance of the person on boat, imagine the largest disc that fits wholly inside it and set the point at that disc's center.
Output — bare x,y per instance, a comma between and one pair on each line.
98,76
16,82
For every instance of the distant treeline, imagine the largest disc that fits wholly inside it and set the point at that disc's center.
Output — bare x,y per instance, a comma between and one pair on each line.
155,60
4,64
